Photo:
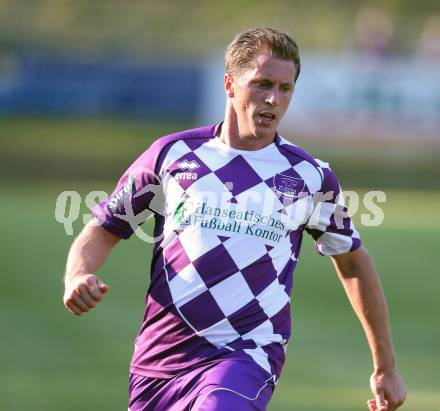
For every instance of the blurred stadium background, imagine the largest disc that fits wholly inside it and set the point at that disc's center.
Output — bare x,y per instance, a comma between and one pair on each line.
85,86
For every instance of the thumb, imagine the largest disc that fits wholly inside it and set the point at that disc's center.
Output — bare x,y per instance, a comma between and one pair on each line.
102,286
371,405
380,402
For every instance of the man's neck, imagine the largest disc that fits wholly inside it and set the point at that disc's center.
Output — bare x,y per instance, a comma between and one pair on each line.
229,134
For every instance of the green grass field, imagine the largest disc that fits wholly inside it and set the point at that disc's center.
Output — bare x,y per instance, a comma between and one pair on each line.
51,360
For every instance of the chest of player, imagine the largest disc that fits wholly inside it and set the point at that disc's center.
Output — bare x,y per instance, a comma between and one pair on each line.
268,210
224,190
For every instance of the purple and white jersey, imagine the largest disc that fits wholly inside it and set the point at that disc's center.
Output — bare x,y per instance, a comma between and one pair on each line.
229,225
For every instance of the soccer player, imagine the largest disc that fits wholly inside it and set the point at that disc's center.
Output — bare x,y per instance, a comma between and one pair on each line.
231,202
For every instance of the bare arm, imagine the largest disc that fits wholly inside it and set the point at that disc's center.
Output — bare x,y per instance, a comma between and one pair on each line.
361,283
82,288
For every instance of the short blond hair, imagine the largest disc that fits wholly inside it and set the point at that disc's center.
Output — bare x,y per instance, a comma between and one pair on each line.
245,47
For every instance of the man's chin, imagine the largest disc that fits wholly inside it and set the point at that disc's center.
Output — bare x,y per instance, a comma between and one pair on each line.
264,132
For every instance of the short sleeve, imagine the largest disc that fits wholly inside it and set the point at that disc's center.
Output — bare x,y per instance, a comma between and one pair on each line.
330,225
138,194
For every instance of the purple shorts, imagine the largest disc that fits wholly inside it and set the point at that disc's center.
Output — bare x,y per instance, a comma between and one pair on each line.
226,385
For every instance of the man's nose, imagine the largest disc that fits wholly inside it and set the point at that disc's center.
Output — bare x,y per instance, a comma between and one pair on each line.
273,98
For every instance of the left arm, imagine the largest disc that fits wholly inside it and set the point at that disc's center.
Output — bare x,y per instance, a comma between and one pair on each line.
361,283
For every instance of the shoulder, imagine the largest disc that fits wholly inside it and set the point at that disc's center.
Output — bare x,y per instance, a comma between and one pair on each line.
204,132
200,133
296,153
298,157
156,153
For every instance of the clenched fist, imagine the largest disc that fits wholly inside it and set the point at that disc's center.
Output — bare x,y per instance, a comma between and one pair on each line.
83,292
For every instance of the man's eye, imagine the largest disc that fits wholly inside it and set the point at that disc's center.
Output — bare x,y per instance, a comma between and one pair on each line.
264,84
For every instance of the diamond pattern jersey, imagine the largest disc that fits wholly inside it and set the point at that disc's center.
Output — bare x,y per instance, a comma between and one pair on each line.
227,237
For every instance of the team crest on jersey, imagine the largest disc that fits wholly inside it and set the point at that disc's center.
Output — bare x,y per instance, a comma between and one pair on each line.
287,186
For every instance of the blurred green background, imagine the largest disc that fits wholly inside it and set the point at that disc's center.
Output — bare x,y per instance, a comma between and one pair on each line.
194,26
51,360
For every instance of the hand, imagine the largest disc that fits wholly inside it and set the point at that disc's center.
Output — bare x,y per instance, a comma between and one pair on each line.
388,389
83,293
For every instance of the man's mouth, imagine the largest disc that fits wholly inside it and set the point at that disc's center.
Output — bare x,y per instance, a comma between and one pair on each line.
268,115
266,118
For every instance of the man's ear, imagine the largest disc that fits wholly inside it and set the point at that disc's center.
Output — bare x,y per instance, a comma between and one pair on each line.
229,85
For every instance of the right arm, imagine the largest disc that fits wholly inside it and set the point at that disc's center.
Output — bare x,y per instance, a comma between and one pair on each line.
135,189
82,288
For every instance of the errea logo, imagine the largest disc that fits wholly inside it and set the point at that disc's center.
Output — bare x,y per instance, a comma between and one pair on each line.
187,165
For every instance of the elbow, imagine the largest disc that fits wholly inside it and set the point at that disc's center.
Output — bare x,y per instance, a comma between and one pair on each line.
352,264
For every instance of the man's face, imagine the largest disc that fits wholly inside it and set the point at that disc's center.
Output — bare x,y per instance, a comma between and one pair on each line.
261,95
